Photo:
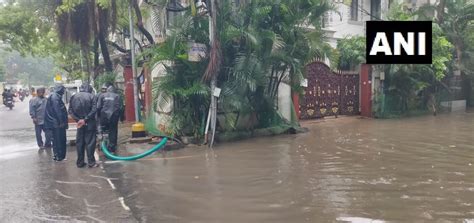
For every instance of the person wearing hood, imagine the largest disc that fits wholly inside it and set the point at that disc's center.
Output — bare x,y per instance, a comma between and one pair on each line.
103,90
37,112
56,120
109,108
8,96
82,108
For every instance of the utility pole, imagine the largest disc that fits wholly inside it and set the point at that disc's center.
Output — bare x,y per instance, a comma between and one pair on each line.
213,106
134,66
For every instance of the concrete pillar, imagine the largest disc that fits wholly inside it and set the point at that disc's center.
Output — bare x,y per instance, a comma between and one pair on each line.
129,100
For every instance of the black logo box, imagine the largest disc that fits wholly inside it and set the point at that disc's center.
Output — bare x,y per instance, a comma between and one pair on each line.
389,27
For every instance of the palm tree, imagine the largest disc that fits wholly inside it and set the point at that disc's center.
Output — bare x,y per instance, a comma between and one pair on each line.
265,43
81,21
84,21
260,45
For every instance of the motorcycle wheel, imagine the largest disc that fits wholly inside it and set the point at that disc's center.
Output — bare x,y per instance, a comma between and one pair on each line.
11,108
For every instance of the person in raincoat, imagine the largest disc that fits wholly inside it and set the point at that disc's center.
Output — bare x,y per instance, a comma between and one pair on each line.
8,95
109,108
82,108
103,90
37,113
56,120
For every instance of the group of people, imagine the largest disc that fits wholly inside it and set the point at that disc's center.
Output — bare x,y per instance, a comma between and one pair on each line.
8,95
92,113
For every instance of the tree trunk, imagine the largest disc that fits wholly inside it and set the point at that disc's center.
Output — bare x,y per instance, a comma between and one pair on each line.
85,56
105,53
102,28
96,58
213,67
140,26
277,85
270,81
440,11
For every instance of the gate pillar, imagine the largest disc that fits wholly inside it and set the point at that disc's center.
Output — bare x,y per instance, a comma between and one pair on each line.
129,99
365,90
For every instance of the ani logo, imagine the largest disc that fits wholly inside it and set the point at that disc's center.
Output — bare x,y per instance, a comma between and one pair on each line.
398,42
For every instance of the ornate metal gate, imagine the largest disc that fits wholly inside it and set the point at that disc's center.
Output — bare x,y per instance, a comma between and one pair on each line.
329,93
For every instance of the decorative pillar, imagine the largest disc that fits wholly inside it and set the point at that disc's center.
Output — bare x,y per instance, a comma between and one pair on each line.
129,97
365,90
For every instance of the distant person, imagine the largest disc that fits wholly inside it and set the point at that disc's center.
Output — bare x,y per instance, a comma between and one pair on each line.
37,113
8,95
109,108
21,94
56,120
4,95
82,108
103,90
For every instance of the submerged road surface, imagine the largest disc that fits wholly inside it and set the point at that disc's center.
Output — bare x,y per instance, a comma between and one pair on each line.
342,170
33,188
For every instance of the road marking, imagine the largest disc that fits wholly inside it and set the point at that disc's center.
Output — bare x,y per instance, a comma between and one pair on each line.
115,161
111,184
63,195
122,201
103,177
132,194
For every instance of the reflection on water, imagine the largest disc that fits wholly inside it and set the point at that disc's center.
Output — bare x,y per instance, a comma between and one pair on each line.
343,170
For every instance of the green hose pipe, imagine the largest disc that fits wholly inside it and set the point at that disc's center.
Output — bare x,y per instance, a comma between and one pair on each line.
109,155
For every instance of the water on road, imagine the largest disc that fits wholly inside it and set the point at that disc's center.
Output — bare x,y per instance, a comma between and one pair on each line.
343,170
33,188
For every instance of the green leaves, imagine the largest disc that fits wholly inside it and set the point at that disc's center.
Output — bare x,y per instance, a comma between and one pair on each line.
351,52
263,44
20,30
68,6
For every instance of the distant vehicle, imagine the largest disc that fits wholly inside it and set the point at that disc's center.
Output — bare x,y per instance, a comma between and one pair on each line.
9,103
8,99
21,95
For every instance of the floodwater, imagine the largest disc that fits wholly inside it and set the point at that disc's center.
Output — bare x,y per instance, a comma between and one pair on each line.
33,188
343,170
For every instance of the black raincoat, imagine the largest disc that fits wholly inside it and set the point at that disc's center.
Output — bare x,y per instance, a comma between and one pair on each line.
83,105
109,104
109,108
56,113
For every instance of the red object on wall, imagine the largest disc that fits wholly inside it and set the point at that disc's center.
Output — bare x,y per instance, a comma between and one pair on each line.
365,90
129,99
296,103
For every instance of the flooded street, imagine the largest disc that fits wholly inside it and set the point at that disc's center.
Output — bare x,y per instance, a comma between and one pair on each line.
33,188
343,170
